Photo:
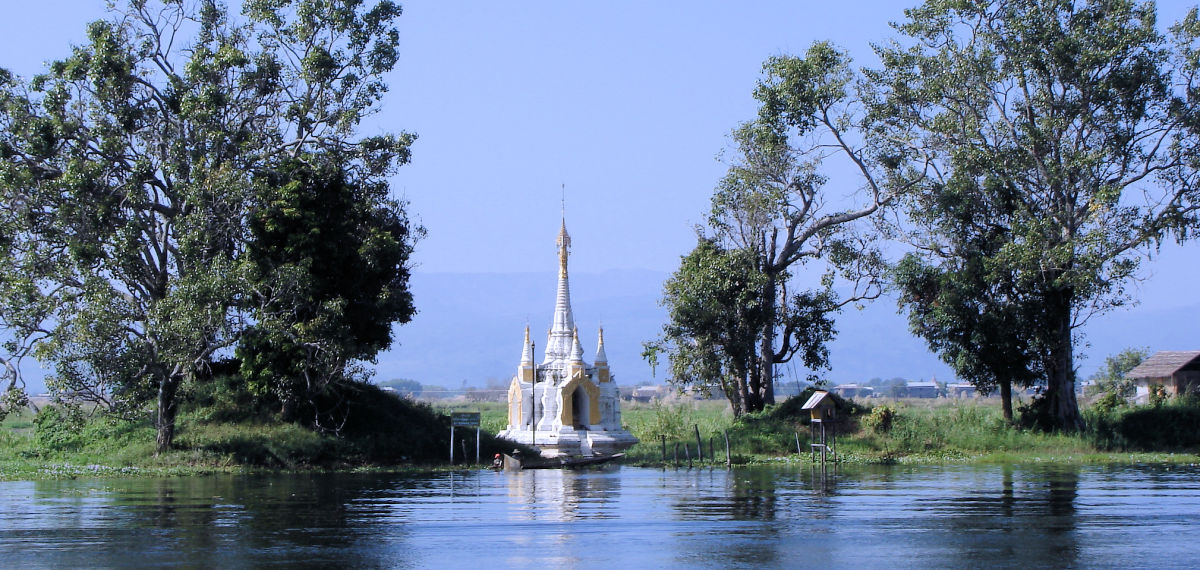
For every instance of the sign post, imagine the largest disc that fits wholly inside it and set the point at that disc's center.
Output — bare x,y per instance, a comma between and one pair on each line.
464,419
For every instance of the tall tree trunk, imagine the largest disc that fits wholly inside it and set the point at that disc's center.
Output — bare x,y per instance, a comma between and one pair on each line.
1061,404
1006,399
165,421
742,395
766,349
754,401
287,412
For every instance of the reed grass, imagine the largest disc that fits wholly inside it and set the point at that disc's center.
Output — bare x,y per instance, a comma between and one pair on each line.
393,434
921,431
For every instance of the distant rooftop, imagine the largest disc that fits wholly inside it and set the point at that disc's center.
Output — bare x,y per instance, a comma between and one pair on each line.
1165,363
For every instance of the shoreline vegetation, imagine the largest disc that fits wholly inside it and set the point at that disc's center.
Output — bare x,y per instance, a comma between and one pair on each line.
386,433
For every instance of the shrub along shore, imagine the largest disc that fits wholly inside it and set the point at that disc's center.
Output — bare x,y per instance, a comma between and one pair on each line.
386,433
221,431
914,431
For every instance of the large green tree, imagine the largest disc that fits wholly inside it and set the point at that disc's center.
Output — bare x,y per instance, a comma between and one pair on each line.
716,311
127,169
776,205
1080,117
328,262
964,304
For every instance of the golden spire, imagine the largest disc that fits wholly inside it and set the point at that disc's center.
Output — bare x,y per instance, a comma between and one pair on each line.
601,356
564,247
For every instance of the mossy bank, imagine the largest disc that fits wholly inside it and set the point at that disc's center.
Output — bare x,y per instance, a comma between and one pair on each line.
912,431
385,432
219,434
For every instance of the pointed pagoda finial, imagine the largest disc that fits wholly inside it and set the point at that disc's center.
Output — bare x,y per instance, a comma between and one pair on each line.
601,357
576,348
527,350
564,248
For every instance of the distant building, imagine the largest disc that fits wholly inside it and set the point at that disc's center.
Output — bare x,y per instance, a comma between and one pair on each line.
853,391
1176,370
961,390
922,390
649,393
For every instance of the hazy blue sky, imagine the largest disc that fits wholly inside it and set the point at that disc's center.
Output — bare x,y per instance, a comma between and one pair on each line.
626,103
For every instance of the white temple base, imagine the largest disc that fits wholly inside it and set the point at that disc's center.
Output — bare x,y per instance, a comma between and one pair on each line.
572,442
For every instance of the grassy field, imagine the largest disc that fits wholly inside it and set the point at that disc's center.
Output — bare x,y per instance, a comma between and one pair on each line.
921,431
384,433
401,435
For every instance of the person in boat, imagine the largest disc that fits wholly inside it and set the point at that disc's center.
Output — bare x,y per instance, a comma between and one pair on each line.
498,462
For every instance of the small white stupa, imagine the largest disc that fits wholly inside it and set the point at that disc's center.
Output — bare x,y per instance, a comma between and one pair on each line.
565,406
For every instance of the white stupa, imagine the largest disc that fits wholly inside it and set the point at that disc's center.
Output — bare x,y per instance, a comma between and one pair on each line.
565,406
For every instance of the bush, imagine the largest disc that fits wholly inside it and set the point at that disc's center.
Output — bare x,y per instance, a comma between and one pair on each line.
58,428
670,420
846,411
1158,395
225,398
880,419
1036,415
1169,426
1109,401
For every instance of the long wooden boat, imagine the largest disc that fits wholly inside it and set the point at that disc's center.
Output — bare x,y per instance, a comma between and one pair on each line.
566,462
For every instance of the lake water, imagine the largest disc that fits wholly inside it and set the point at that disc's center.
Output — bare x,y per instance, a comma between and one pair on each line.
617,517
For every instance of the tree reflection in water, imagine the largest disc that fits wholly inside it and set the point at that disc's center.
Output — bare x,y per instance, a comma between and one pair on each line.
787,516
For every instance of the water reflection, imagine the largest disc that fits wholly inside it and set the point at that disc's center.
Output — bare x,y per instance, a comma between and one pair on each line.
209,521
1020,515
562,495
952,516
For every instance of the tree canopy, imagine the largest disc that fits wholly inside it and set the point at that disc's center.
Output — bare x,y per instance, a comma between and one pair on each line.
133,173
716,311
327,262
1070,128
776,207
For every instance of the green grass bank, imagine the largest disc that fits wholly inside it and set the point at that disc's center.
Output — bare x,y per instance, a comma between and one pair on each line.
387,433
219,433
912,432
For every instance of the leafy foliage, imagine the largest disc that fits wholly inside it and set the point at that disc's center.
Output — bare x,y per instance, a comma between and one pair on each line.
129,172
1162,427
1068,130
772,207
880,419
716,311
328,262
1111,379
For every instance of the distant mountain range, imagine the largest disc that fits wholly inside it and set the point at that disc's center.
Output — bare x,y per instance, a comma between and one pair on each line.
470,328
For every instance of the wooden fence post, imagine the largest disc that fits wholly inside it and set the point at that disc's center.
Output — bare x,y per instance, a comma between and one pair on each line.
728,460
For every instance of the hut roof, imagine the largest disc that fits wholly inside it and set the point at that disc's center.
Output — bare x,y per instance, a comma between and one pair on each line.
1164,363
815,400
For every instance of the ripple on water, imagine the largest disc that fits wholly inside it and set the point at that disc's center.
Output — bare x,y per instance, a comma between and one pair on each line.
939,516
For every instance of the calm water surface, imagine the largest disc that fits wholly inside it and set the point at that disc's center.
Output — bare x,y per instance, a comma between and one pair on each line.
623,517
